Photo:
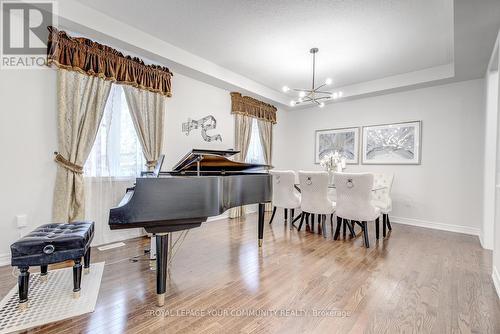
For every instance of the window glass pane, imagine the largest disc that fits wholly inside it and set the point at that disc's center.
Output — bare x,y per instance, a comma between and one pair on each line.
117,150
255,152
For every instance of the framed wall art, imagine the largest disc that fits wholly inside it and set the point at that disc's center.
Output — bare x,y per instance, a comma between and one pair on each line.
398,143
345,141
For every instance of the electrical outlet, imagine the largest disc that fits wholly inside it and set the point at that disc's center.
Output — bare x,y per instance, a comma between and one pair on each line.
21,221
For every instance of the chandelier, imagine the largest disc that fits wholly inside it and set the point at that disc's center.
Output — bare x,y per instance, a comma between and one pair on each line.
315,94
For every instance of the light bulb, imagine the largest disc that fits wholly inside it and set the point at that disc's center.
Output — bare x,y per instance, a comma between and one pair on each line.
302,93
340,94
322,104
293,103
285,89
328,81
335,95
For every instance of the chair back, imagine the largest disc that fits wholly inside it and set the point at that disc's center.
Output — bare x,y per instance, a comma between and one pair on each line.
284,193
383,180
354,196
314,191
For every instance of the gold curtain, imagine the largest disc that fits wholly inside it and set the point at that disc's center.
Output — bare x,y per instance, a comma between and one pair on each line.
86,56
266,138
81,102
148,115
248,106
242,136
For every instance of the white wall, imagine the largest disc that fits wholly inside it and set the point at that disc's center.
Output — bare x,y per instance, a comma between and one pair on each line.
28,136
445,191
490,158
27,142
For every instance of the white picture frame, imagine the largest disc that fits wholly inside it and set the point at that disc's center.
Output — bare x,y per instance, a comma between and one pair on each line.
343,140
392,144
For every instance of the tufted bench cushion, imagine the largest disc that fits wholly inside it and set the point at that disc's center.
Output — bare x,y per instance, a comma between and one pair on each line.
53,243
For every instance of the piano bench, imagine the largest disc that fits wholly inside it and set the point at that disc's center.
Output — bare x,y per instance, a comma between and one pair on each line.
52,243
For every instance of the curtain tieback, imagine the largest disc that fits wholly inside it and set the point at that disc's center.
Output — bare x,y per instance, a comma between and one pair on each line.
151,163
65,163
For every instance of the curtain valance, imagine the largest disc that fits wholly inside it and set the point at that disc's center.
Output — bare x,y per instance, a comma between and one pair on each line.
91,58
248,106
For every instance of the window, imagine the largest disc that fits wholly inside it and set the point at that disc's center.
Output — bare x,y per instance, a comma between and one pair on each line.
117,151
255,152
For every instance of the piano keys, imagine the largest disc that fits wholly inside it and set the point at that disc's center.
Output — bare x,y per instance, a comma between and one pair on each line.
203,184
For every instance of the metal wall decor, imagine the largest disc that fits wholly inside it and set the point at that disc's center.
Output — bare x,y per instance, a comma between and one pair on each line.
206,123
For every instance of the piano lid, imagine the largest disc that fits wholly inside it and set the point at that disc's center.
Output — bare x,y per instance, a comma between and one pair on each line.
213,161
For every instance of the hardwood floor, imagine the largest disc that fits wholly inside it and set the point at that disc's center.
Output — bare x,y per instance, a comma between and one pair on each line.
415,281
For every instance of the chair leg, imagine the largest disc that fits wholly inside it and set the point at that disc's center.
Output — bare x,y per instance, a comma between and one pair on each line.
377,228
312,222
272,216
77,278
365,232
337,231
286,214
344,227
292,213
324,226
388,222
302,216
384,225
86,262
23,282
350,225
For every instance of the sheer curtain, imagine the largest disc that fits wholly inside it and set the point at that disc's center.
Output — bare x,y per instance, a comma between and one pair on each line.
114,162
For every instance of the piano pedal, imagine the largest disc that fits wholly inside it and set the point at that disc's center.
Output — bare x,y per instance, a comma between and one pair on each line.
152,265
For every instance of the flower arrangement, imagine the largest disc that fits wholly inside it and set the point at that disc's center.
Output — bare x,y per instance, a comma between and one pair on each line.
333,162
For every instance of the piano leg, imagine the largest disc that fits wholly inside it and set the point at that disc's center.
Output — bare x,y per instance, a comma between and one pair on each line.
262,207
161,267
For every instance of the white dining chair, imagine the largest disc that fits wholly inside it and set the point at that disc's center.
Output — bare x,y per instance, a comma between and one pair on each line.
382,197
354,202
284,193
314,191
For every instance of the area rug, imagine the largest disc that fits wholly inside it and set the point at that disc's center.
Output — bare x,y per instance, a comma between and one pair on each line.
51,300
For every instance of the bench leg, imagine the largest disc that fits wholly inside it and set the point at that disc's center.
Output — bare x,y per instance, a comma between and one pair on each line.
86,262
43,272
77,278
23,282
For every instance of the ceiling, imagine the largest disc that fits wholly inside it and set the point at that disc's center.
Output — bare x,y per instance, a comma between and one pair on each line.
359,40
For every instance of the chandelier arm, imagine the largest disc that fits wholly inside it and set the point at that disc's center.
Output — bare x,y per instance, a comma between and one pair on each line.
303,90
323,98
323,92
323,85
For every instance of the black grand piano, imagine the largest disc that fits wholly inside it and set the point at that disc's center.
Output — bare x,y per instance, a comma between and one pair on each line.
203,184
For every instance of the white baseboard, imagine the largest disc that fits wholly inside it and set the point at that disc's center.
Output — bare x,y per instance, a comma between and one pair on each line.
496,280
486,243
436,226
4,259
